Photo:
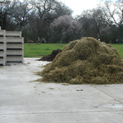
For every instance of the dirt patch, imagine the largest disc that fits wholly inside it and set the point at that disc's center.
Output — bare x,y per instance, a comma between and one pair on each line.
51,56
85,61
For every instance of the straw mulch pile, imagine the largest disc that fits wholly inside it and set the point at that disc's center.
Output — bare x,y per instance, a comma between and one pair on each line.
85,61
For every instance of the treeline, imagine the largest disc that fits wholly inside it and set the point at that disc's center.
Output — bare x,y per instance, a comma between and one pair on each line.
52,22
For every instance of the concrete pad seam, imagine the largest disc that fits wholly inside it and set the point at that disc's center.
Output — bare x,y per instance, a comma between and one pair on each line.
107,94
63,112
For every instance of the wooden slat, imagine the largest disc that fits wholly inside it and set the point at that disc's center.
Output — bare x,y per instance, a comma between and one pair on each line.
12,46
2,39
13,34
2,46
2,32
14,40
14,58
2,53
14,52
2,61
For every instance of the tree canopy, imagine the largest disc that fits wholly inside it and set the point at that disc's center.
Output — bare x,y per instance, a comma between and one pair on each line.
51,21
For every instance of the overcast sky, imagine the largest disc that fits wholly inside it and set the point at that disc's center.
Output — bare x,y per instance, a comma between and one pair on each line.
79,5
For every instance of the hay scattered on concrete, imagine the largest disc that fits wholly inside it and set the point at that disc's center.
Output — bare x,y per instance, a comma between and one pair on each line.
85,61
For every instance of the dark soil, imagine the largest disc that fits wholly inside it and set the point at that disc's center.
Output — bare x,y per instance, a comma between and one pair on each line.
51,56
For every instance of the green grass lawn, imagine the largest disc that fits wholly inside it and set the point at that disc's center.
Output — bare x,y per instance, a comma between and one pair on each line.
41,49
119,48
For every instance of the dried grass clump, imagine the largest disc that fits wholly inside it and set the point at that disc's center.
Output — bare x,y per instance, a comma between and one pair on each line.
85,61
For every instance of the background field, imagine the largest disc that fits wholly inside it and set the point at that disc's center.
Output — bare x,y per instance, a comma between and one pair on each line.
41,49
119,48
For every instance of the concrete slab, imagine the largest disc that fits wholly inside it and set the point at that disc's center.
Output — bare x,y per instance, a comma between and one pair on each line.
111,90
24,101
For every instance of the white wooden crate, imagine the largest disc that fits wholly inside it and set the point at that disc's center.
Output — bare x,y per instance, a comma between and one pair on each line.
11,47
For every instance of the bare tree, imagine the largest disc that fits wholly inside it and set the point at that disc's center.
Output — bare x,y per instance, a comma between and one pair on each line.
4,12
20,14
43,7
113,12
92,20
62,9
